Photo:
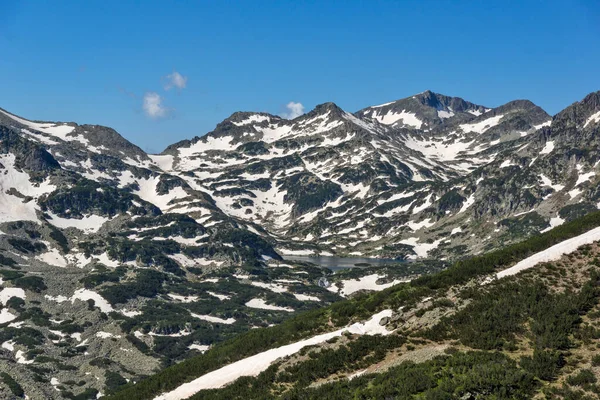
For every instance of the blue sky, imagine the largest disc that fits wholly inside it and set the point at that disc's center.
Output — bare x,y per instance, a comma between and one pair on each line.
98,61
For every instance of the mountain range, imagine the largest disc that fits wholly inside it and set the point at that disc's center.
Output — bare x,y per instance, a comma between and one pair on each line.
117,263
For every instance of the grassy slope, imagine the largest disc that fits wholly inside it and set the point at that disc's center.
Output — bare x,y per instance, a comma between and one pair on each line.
341,313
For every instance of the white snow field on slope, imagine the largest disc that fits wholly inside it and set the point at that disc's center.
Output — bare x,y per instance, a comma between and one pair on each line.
552,253
88,223
6,316
592,119
50,128
254,365
12,207
482,126
368,282
392,117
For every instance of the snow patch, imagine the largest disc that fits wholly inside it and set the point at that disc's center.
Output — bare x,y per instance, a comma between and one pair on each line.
53,257
13,207
468,203
445,114
99,301
554,222
53,129
304,297
594,118
8,293
482,126
210,318
548,147
368,282
254,365
262,304
406,117
87,224
552,253
6,316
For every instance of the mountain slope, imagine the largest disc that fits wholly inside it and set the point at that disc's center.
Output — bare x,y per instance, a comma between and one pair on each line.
329,182
116,263
525,332
103,276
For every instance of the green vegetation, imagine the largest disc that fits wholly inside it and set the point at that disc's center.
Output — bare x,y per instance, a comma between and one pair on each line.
574,211
164,226
7,261
544,364
584,377
9,275
25,336
87,394
450,201
147,283
90,197
113,381
26,246
464,270
356,355
524,225
59,238
309,192
33,283
13,385
92,280
241,346
462,375
495,319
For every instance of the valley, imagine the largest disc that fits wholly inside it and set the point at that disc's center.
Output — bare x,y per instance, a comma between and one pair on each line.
117,264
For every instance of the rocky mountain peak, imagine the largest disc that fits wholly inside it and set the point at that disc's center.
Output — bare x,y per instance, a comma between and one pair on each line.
325,108
592,99
240,118
442,102
582,114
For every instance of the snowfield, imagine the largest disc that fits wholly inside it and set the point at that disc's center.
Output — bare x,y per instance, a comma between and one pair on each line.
593,119
262,304
368,282
12,207
8,293
99,301
552,253
254,365
87,224
482,126
53,129
217,320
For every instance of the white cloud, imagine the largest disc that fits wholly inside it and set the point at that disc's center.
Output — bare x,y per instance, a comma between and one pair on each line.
175,80
294,110
153,105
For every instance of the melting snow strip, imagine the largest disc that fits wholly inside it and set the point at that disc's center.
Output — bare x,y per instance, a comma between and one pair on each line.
254,365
